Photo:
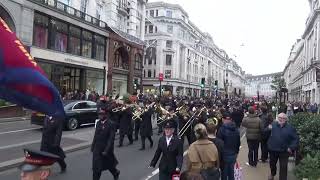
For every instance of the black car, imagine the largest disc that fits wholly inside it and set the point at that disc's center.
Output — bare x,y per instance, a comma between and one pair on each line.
78,113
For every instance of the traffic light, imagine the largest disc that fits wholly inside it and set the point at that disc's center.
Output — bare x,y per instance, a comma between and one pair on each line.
203,81
216,82
135,84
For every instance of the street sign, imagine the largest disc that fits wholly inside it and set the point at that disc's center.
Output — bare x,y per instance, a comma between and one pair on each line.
160,76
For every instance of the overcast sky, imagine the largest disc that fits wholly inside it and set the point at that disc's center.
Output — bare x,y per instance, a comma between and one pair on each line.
260,33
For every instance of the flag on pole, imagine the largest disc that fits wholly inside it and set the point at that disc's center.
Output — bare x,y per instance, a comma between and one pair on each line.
22,81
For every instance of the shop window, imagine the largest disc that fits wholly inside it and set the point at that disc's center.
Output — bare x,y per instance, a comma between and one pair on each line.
86,44
168,59
40,32
95,81
74,40
100,47
59,36
149,73
138,62
167,74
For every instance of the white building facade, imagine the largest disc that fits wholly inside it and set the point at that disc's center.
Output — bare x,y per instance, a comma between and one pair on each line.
181,52
235,79
260,85
302,72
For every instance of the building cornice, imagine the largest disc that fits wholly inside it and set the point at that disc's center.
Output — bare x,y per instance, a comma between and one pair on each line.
166,5
310,22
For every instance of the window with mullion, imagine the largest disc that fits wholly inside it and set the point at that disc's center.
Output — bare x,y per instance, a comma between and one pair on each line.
40,31
74,40
100,47
87,44
59,35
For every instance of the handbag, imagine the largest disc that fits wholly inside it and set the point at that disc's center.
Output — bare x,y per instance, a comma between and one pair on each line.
237,172
211,173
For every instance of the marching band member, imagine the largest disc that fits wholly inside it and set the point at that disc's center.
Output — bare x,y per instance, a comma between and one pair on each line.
146,130
171,149
125,124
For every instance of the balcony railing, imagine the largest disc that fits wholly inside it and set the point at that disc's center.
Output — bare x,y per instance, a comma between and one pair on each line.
73,12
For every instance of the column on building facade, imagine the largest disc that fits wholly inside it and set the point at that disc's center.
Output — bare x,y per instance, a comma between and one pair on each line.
132,53
111,52
143,23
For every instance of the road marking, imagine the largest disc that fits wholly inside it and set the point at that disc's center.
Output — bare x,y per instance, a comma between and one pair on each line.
155,172
19,144
21,130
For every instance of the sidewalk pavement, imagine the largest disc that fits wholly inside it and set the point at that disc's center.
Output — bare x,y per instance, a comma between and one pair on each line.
262,171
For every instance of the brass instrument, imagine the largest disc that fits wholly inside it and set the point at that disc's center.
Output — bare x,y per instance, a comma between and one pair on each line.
140,111
123,107
190,121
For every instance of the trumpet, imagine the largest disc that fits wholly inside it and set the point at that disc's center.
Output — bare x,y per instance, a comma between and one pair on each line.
189,122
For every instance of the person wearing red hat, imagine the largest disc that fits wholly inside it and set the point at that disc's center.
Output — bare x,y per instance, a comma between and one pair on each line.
37,165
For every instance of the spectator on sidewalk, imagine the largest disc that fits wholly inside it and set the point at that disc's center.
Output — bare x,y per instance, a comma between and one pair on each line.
212,130
266,121
202,154
254,128
282,142
230,136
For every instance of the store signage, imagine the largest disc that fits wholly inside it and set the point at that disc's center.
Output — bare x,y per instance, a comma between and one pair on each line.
75,61
160,76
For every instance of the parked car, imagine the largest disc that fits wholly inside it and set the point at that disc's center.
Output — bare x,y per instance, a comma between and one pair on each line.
78,113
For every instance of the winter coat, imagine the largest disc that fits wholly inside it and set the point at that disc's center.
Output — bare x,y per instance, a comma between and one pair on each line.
51,136
254,127
282,138
125,124
146,123
202,154
230,135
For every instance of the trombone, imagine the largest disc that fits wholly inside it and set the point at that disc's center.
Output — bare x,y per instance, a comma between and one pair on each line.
123,107
139,112
189,122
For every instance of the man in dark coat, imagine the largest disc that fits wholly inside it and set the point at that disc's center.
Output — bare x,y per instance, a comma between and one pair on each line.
237,115
146,127
125,127
103,147
51,139
171,149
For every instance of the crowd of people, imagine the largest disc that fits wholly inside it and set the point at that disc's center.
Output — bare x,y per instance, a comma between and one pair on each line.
211,127
81,95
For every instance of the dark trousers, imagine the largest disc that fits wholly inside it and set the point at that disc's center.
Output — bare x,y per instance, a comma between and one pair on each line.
253,152
264,149
228,170
189,137
136,129
97,174
143,141
164,175
129,135
283,158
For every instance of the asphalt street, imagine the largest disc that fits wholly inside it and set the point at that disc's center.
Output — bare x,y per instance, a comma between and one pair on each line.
133,163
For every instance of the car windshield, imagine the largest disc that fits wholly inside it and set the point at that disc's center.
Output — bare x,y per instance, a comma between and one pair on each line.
68,106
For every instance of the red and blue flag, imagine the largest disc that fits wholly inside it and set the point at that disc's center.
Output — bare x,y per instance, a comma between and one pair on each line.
22,81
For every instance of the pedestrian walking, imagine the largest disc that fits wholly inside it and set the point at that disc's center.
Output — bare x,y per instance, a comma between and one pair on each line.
103,146
230,135
51,139
203,156
282,142
212,130
37,165
266,119
170,147
254,129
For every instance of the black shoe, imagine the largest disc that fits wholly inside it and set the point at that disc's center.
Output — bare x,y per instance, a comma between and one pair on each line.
120,145
116,176
142,148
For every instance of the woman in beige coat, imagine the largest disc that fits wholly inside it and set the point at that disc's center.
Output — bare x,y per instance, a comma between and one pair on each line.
202,154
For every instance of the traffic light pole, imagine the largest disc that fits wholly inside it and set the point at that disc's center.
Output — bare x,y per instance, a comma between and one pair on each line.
160,87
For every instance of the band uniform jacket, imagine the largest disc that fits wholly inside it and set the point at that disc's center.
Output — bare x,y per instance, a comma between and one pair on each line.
172,155
125,126
146,124
51,136
103,141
